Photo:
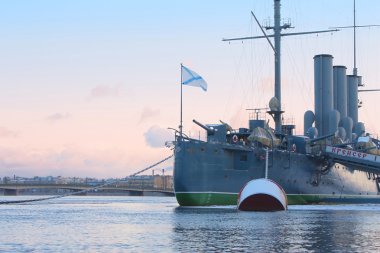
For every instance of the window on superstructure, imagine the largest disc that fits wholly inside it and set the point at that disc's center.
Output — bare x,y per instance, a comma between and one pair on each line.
243,158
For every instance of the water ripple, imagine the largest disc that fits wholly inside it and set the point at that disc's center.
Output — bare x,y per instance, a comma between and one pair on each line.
157,224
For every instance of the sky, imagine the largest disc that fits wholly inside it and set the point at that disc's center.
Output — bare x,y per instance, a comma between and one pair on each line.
88,88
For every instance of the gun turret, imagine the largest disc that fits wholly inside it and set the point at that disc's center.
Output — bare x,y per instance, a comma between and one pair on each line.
209,130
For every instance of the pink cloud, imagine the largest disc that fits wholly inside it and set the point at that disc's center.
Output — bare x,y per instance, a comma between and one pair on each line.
65,162
104,91
148,113
57,116
5,132
238,118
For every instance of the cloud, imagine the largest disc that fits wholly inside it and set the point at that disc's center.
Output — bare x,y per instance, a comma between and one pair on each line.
148,113
106,91
57,116
5,132
64,162
156,137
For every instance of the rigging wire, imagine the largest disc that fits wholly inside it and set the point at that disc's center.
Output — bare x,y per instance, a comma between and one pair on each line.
86,190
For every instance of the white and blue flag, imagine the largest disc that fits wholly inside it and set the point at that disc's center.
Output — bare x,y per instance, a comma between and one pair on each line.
191,78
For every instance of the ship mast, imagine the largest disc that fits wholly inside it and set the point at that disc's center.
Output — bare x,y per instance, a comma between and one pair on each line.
354,27
277,62
276,114
277,34
355,70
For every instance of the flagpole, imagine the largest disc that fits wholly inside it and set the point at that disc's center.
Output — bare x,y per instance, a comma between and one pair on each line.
180,125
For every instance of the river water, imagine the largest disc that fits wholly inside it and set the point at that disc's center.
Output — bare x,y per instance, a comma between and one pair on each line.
157,224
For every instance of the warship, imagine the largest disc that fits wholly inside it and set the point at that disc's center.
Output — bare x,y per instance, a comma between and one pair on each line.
334,161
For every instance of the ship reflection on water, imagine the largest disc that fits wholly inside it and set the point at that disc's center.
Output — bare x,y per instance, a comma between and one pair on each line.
346,228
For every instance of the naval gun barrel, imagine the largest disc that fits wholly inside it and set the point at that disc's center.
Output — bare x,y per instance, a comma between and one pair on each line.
322,138
343,144
209,130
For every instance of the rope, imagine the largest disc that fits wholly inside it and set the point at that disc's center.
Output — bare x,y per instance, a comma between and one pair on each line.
84,191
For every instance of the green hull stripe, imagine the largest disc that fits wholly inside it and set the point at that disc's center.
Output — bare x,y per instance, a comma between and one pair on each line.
206,199
215,199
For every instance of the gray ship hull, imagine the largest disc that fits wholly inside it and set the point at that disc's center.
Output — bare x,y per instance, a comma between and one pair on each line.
207,173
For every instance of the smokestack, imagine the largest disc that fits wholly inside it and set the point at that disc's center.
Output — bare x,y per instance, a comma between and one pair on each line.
352,103
323,91
340,90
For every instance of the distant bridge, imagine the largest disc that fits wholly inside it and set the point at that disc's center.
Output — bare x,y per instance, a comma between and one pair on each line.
14,189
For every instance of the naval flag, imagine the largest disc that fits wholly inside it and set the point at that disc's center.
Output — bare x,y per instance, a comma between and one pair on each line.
191,78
